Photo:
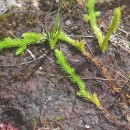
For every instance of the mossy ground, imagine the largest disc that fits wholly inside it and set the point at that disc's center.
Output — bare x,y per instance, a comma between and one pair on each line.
40,90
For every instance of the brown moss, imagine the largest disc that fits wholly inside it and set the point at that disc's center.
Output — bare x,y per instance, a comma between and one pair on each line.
13,21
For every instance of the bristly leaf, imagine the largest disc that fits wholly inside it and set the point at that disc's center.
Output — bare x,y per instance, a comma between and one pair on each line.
64,65
55,25
49,39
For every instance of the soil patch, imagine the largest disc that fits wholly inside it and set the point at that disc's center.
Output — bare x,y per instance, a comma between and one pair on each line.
38,95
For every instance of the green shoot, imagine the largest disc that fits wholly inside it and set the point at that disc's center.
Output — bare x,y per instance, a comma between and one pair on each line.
21,43
92,18
64,65
52,43
55,25
53,36
78,44
113,26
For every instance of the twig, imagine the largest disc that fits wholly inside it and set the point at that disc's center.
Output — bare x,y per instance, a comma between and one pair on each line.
103,70
89,47
43,106
97,78
32,55
116,40
40,57
84,36
117,72
127,33
113,43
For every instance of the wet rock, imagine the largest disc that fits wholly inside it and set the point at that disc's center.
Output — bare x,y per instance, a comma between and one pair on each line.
2,7
5,5
10,3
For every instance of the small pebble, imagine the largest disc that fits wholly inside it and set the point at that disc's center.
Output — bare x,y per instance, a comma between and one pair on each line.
68,22
40,68
87,126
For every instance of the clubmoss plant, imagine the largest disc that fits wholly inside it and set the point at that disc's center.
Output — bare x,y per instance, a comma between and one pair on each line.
80,46
32,38
92,15
64,65
21,43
